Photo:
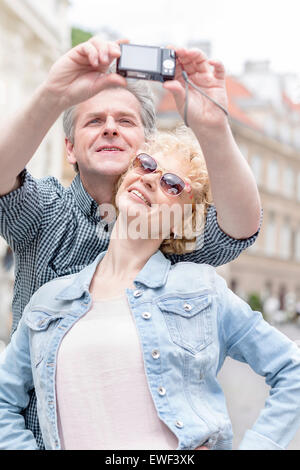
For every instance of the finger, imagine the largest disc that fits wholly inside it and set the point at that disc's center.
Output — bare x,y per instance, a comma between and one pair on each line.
111,79
123,41
219,69
191,54
193,58
202,448
170,46
89,50
102,48
177,90
114,50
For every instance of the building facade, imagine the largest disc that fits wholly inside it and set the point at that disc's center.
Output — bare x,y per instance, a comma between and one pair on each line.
33,34
267,130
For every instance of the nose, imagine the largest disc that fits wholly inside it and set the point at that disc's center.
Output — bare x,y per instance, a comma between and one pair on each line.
151,180
110,128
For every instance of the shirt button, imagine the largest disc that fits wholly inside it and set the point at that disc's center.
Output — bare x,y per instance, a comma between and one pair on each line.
179,424
155,354
187,307
146,315
137,293
161,391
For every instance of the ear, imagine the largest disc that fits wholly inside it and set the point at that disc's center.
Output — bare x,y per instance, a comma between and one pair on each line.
70,152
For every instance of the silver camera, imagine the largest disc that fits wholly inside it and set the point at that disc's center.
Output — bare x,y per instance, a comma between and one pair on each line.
146,62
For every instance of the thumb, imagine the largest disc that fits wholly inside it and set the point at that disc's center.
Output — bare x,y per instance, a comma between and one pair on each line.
112,79
177,90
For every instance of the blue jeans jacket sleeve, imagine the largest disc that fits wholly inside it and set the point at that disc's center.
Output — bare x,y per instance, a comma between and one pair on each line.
248,338
15,383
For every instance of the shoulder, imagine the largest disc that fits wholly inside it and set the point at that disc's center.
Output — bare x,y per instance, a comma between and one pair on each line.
189,275
50,188
48,292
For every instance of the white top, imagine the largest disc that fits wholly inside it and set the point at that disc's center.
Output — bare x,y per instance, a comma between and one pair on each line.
103,398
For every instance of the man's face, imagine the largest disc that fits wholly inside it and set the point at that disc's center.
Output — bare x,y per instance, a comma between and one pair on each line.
108,132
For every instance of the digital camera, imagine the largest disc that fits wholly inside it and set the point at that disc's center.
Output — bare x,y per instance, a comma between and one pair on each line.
146,62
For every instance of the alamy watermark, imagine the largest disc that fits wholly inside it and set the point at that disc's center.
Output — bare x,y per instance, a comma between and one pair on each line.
161,220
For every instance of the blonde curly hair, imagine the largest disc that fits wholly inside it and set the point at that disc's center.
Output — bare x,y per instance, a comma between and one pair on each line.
182,143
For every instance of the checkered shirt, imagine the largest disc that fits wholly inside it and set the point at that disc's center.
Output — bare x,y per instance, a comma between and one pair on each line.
55,231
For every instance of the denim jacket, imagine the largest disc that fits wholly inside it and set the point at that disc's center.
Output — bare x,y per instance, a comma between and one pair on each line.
187,321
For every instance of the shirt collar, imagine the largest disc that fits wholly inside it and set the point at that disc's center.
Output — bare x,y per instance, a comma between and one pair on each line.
154,274
86,203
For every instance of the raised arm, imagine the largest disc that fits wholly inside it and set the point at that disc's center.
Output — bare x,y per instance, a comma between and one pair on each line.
234,189
75,77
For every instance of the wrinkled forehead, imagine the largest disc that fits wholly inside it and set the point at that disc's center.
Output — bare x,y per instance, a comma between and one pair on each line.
110,101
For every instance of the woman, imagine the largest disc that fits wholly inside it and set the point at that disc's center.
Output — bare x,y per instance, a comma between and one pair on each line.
125,354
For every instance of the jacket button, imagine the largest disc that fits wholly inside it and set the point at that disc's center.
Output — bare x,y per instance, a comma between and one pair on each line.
187,307
146,315
179,424
137,293
155,354
161,391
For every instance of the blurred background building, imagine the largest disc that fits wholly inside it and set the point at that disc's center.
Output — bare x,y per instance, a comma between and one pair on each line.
32,36
265,121
266,124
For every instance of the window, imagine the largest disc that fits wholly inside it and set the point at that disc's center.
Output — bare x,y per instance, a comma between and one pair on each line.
285,240
296,137
270,237
288,182
256,165
233,285
272,177
297,246
270,126
244,150
298,187
285,133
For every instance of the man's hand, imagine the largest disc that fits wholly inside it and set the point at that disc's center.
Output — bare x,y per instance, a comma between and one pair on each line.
75,77
233,186
207,75
81,73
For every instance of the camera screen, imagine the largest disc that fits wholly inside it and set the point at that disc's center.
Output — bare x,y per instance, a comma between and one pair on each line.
140,58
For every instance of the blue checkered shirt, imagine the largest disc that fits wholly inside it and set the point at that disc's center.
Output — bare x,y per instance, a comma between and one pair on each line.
55,231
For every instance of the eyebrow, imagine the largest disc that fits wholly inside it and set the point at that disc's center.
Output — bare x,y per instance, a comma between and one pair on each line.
118,113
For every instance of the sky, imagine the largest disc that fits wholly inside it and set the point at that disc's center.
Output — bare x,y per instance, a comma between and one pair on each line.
239,30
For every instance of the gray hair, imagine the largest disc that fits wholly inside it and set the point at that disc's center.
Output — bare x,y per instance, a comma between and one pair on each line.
143,94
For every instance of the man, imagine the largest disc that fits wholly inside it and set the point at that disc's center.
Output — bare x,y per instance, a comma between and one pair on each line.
55,231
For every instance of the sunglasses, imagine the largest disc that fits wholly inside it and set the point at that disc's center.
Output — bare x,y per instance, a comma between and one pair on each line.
170,183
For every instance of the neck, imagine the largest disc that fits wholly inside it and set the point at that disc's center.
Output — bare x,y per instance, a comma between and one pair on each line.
125,256
100,188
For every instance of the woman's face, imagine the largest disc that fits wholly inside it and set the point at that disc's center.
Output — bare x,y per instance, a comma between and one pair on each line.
142,196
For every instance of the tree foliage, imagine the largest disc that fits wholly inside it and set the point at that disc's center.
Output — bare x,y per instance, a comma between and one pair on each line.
79,36
255,302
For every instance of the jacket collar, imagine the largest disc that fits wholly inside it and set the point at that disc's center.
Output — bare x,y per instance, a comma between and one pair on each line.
83,198
154,274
